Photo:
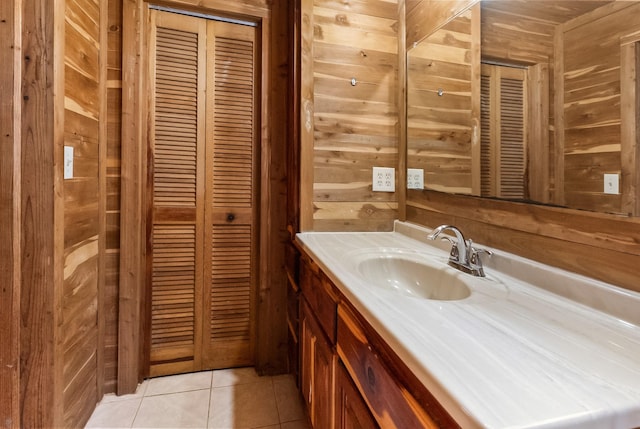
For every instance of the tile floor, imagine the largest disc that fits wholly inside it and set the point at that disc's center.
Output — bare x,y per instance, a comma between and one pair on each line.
224,399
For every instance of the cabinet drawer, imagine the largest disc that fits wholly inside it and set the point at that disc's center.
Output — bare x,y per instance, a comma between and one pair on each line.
392,405
318,291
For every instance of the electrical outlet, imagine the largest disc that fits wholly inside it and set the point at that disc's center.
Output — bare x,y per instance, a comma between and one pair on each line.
611,184
384,179
415,178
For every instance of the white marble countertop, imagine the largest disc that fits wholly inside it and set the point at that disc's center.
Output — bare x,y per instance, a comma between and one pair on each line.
511,355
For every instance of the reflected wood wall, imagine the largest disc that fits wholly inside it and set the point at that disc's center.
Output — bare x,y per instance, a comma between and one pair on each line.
529,43
346,129
592,127
440,124
598,245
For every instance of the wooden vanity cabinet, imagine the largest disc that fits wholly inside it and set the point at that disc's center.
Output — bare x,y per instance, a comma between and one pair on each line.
350,378
350,409
388,399
318,313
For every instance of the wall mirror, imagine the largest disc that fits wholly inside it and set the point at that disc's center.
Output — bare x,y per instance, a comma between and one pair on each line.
530,101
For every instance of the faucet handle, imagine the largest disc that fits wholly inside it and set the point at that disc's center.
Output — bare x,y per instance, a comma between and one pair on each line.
475,252
454,253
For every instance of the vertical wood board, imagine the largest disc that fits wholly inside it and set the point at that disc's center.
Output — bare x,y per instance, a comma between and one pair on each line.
10,230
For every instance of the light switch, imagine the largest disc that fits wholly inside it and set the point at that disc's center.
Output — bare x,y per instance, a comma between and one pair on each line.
68,162
612,184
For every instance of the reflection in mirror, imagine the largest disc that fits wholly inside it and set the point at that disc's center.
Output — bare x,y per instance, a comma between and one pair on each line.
440,124
553,104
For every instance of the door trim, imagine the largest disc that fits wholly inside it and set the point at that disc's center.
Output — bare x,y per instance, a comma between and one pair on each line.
132,303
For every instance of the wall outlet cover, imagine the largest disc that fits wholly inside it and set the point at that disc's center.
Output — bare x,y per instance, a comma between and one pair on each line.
384,179
415,178
612,184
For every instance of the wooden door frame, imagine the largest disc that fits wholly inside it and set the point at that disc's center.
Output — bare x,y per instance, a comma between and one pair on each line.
271,300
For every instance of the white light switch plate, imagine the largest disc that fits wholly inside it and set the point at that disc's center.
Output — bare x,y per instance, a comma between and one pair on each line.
415,178
68,162
384,179
611,184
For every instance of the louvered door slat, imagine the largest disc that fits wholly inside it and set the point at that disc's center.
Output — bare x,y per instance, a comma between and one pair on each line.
169,146
173,269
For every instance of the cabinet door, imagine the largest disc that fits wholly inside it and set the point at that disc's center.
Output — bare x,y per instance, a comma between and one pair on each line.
307,346
316,370
350,409
323,384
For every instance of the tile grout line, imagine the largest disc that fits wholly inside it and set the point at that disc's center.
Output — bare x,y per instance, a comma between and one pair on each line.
137,411
275,398
210,398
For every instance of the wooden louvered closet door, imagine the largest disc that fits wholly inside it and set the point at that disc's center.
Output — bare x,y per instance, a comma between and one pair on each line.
230,215
202,163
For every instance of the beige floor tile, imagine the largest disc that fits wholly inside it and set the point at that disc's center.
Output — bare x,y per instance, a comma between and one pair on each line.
179,383
116,414
243,406
288,399
233,376
175,410
140,391
298,424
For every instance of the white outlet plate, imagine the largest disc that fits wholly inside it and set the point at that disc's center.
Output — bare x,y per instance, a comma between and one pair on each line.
415,178
68,162
612,184
384,179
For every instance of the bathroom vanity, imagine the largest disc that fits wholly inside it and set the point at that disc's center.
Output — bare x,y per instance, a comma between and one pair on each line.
383,342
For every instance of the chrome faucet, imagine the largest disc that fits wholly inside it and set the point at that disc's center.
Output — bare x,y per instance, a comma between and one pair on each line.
463,256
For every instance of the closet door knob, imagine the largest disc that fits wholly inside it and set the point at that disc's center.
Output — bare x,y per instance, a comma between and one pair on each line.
230,217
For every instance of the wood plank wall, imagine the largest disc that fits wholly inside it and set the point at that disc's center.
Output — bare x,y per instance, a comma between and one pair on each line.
47,346
354,127
592,106
109,305
42,91
84,92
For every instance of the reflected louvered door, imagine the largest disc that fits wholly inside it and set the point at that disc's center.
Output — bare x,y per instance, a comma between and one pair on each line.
503,141
230,216
200,267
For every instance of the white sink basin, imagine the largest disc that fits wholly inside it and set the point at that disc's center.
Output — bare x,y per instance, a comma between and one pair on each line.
411,276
